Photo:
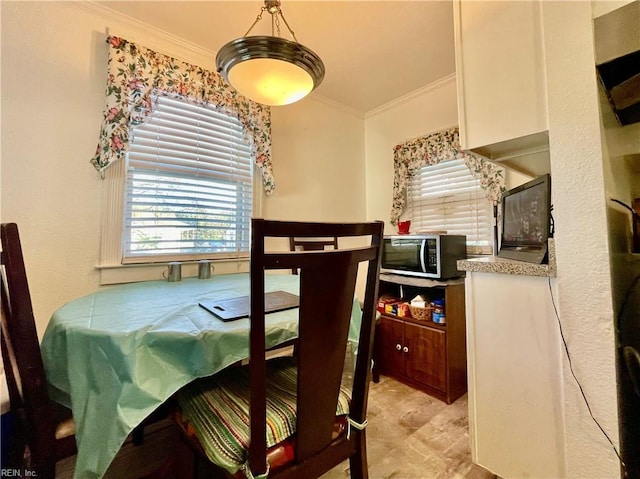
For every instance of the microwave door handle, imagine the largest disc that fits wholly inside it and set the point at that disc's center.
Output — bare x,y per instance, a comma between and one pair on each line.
423,247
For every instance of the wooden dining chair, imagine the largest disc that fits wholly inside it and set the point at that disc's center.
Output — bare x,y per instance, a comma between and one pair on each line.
311,244
290,417
43,429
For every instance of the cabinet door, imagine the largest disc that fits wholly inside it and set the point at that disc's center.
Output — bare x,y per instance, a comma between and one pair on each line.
426,356
500,72
392,342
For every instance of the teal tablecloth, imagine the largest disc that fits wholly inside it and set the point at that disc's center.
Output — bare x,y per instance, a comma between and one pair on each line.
115,355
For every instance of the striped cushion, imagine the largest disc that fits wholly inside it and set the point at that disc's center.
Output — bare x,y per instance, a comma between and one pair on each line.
218,409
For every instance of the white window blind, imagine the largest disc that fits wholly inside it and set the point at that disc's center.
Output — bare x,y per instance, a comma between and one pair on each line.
446,197
188,188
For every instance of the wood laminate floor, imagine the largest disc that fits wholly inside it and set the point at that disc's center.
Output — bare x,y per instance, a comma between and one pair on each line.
412,435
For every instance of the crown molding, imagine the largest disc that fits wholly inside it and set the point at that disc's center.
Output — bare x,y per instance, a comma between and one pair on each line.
132,29
337,105
410,96
172,45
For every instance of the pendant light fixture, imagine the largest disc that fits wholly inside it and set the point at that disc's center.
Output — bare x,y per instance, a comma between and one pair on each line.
269,69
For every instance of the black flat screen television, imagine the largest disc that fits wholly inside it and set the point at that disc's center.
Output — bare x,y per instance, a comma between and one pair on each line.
526,221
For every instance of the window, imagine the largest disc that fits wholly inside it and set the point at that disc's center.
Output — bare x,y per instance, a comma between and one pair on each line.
446,197
189,186
188,189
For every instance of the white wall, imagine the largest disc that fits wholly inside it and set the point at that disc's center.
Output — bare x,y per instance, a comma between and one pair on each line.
425,111
319,152
53,78
51,111
583,282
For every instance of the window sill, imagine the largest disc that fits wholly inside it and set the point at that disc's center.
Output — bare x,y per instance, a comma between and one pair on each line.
131,273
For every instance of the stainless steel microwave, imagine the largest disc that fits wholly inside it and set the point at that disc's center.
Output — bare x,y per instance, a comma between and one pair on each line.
428,256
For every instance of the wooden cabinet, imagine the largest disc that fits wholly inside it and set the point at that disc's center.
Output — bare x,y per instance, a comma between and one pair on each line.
389,344
426,349
500,73
426,355
414,351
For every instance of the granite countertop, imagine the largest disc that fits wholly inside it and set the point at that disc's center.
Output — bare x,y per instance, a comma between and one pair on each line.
493,264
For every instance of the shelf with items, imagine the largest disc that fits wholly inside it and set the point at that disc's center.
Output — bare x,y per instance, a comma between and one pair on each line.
400,297
426,355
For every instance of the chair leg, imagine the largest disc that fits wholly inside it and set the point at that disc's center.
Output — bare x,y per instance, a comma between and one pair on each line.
358,462
375,372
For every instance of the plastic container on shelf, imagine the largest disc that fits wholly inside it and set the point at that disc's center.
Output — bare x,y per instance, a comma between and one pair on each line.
437,314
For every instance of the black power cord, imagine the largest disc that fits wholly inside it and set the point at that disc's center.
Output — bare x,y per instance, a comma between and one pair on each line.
584,396
625,300
633,212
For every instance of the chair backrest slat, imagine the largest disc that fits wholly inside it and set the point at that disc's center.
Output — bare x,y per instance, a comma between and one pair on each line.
8,355
311,244
325,312
327,289
28,394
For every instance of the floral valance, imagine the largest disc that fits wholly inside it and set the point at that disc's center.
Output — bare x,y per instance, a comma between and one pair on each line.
136,74
443,145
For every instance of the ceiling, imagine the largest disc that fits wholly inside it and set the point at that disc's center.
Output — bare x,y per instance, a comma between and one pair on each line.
374,51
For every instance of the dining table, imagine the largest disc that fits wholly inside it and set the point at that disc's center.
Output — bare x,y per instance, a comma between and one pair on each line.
116,355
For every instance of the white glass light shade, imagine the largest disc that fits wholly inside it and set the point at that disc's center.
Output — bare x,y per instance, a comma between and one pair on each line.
270,82
270,70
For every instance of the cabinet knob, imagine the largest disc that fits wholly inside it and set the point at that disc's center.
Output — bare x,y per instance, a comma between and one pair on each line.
398,347
405,349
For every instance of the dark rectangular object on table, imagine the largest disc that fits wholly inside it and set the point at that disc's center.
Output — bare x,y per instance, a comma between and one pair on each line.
236,308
